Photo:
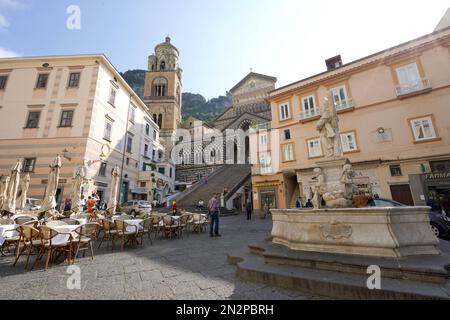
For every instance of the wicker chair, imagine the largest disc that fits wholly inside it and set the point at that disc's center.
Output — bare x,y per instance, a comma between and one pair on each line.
170,226
124,235
86,233
47,235
183,224
156,226
146,229
29,241
80,216
109,231
23,219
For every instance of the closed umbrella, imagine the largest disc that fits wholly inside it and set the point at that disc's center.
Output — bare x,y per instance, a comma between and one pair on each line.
112,203
49,203
9,204
79,176
3,189
24,186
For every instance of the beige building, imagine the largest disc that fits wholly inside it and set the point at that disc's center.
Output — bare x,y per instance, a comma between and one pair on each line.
394,115
79,107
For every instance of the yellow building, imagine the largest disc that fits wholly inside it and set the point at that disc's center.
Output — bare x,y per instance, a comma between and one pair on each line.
79,107
394,110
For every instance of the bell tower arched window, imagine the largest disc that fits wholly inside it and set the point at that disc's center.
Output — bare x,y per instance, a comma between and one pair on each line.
160,119
162,66
160,87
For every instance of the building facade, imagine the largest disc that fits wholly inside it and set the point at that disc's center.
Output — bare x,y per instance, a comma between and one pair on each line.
393,108
81,108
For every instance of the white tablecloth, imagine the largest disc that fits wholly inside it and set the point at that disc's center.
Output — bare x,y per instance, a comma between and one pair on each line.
82,221
135,222
8,231
62,238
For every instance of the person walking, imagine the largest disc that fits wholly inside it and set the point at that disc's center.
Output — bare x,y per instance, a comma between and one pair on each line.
249,210
213,208
174,207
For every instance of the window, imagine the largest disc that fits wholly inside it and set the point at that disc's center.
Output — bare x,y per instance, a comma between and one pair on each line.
160,120
440,166
108,130
102,171
28,164
265,163
348,142
170,172
3,80
143,184
314,148
42,81
396,171
127,161
155,135
74,80
162,66
288,152
33,119
129,143
340,98
423,129
263,139
159,87
309,107
112,97
409,76
284,111
66,118
132,114
147,129
146,150
287,134
162,170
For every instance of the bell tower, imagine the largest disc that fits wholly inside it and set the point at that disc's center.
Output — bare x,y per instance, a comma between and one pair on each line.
163,91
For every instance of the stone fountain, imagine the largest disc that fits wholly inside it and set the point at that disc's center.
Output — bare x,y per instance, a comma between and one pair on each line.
328,250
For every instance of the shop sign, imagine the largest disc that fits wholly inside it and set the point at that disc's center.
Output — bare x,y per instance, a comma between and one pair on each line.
437,176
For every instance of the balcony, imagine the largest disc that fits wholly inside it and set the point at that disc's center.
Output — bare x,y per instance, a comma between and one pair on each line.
406,90
309,115
263,126
345,105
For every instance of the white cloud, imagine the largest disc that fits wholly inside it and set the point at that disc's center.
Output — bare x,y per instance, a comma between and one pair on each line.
3,22
6,53
15,4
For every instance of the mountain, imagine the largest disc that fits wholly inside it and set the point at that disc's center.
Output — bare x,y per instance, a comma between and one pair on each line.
194,104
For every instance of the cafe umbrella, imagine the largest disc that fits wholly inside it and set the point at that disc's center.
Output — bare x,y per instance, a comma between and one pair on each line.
49,203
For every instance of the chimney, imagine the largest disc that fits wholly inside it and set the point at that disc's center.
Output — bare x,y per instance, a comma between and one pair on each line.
334,63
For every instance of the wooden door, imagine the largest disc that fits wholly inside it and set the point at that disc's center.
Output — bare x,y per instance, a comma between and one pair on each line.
402,193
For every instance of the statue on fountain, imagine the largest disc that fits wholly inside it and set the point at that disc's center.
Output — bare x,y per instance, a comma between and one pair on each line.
328,127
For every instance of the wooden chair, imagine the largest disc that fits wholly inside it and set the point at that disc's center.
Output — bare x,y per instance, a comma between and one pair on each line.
86,233
24,219
109,231
146,228
124,235
170,227
29,240
47,235
156,226
183,224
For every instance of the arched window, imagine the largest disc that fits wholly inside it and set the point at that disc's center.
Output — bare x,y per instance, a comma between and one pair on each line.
162,66
159,87
155,118
179,94
160,119
153,67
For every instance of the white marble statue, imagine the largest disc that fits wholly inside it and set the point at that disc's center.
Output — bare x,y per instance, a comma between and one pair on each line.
328,127
347,179
319,188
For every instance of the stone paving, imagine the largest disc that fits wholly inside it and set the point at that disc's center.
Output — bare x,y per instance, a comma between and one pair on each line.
192,268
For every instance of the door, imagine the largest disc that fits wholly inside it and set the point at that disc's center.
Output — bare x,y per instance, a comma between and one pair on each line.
402,193
268,199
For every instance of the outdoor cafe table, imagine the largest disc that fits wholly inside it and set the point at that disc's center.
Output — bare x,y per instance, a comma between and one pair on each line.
67,229
8,231
131,224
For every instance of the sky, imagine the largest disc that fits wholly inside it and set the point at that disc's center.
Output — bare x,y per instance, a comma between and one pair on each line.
219,41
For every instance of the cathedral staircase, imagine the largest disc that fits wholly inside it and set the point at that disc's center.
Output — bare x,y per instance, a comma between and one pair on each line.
231,177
